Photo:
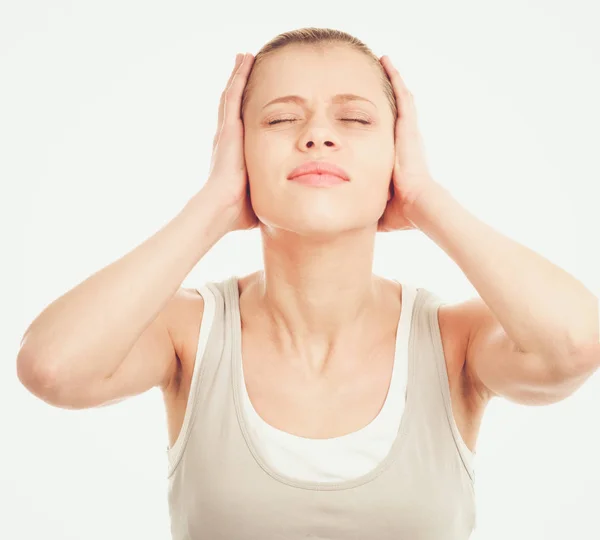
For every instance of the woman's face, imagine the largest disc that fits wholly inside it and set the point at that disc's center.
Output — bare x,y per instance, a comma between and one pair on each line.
354,134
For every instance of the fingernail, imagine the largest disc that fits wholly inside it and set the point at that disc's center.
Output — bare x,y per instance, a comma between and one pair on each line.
237,59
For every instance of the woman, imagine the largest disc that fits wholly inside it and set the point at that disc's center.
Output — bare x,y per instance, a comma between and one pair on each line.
313,398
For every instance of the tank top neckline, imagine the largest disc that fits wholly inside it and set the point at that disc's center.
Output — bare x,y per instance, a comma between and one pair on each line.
232,290
390,408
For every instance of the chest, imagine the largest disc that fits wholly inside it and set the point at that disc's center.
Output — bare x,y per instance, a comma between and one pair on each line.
345,396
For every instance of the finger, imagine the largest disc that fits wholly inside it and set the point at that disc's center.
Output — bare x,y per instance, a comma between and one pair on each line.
238,59
394,75
233,93
233,96
401,91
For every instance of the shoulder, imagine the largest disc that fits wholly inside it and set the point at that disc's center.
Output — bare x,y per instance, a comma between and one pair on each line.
186,311
468,398
183,317
454,324
183,312
457,321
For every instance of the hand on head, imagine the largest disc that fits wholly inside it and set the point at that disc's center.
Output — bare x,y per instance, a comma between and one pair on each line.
228,178
411,177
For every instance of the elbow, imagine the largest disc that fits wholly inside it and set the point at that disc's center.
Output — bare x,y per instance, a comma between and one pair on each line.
40,377
34,373
52,384
585,359
572,370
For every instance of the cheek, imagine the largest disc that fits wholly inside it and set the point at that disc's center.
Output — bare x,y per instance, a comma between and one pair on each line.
253,155
381,156
264,155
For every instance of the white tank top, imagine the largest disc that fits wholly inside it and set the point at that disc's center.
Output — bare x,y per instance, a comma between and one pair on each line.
339,458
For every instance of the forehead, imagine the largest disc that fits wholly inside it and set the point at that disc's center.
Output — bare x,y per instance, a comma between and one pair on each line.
315,72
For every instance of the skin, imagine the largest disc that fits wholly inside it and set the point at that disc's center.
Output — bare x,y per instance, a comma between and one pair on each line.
316,130
318,293
318,328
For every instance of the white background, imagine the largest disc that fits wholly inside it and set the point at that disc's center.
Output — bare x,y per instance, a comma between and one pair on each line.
107,113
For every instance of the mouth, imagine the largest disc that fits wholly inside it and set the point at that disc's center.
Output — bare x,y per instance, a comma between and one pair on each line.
318,180
318,173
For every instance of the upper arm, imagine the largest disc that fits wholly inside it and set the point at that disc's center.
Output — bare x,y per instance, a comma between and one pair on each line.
500,368
153,361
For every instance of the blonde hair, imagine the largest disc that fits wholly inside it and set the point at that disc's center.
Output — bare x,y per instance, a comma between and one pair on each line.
318,37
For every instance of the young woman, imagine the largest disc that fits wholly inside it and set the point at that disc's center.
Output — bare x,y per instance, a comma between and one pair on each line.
313,399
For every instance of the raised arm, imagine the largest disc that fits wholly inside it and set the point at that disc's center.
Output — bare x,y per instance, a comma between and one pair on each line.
112,335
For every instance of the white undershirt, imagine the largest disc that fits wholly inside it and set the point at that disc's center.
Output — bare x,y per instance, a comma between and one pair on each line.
348,456
324,460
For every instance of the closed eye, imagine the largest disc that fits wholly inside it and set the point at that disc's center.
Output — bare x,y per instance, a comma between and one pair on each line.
355,120
365,122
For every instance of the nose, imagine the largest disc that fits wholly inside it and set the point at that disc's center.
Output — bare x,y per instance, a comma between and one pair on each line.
317,136
310,143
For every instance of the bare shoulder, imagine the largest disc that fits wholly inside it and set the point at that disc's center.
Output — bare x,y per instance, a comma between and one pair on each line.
183,317
456,322
469,399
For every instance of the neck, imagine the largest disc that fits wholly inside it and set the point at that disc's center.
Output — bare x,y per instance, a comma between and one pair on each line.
318,293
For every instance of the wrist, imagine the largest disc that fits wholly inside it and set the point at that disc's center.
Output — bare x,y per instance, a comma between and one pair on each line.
211,214
428,189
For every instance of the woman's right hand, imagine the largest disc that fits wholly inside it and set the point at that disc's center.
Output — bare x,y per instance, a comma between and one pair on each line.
227,182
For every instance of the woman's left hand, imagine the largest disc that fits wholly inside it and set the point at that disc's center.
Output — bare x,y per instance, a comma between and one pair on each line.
410,175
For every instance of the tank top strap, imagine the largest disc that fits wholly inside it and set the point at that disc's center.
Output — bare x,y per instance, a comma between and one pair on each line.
209,349
434,404
394,404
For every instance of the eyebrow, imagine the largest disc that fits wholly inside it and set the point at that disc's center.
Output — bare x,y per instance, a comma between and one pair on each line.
338,98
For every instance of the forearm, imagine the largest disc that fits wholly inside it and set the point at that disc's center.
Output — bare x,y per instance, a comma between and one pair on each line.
90,329
541,307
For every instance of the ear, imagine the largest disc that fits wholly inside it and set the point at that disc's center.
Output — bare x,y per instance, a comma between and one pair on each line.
390,190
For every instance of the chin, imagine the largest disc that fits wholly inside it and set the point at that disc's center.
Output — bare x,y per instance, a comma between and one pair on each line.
316,225
318,212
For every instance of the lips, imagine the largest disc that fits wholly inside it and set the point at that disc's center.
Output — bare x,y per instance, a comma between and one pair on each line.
318,167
